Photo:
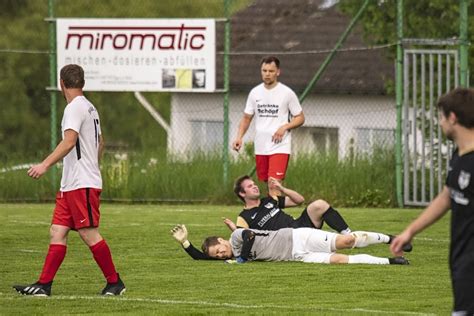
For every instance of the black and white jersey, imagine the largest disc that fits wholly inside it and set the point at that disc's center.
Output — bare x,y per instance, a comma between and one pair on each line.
274,245
268,215
461,186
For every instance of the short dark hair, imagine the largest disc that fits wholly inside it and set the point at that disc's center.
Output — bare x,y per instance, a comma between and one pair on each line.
73,76
238,186
269,60
209,242
459,101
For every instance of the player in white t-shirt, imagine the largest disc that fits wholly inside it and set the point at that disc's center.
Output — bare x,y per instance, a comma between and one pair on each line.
77,202
277,111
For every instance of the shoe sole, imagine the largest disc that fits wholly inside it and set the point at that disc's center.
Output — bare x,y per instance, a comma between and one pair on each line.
37,295
112,294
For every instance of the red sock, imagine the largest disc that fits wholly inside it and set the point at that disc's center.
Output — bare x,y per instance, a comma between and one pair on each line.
54,258
103,257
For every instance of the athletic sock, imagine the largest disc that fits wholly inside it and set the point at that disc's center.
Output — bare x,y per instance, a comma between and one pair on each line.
363,239
367,259
54,258
335,221
103,257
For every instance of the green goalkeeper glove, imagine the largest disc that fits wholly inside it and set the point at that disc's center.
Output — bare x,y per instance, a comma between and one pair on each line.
180,233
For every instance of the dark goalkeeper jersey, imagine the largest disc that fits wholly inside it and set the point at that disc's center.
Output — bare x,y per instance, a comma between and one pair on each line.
268,215
461,186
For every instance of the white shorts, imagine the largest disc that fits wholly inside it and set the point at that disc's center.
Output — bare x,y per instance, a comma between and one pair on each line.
313,245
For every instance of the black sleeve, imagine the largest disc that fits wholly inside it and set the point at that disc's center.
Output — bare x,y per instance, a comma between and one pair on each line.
248,238
196,254
281,202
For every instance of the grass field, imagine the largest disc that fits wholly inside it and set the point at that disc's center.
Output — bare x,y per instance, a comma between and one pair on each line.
162,279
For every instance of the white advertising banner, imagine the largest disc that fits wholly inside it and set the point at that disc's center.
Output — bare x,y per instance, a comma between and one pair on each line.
140,54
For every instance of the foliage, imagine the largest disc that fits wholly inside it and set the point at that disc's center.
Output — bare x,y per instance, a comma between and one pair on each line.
433,19
162,279
24,75
156,177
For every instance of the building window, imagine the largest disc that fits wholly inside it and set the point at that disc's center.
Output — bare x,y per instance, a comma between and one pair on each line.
367,139
206,135
322,140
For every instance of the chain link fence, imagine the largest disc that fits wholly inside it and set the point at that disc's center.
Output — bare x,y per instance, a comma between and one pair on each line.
349,111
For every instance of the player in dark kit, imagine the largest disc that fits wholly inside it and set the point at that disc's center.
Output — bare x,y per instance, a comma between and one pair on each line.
456,113
267,213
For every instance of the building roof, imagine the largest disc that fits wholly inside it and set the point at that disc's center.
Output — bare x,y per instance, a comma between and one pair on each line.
282,27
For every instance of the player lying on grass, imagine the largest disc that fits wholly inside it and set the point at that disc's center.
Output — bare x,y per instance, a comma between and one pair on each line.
289,244
267,213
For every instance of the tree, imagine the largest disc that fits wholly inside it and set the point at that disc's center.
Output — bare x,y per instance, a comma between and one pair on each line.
434,19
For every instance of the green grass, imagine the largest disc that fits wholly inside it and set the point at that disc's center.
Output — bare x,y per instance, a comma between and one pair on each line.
152,176
162,279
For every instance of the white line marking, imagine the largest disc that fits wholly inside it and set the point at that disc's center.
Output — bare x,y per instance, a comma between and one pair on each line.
431,239
230,305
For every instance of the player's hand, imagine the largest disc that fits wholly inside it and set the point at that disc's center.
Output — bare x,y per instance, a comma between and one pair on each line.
275,184
230,224
278,136
37,171
396,247
238,260
237,144
180,233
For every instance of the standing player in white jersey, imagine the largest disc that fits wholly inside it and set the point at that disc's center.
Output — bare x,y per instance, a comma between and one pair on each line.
77,202
277,111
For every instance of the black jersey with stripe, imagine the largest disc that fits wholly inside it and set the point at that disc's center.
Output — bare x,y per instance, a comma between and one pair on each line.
269,215
460,182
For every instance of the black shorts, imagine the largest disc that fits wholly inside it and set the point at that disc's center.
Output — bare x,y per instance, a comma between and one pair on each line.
304,221
463,290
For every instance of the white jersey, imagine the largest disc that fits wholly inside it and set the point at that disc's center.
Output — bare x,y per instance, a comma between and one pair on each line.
271,109
81,164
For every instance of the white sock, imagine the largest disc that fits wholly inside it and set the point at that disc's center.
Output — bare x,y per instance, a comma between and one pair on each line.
345,231
367,259
363,239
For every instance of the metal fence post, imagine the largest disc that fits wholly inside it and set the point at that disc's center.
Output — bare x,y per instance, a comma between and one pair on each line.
52,83
225,149
464,45
399,100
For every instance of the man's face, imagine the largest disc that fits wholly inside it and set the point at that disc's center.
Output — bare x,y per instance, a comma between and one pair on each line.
270,73
251,190
446,124
223,250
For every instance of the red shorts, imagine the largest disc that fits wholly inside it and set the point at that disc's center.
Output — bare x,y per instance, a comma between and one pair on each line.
78,208
271,166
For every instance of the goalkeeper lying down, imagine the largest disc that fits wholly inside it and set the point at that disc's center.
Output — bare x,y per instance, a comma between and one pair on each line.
287,244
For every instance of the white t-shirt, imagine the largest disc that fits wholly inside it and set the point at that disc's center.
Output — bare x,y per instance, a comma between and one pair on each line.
81,164
271,109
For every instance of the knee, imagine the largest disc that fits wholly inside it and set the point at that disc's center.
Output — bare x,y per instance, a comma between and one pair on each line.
90,236
319,206
58,235
345,241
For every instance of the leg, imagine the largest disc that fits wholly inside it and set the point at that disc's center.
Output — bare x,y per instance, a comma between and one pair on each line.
100,251
61,224
102,255
56,253
277,165
261,167
360,239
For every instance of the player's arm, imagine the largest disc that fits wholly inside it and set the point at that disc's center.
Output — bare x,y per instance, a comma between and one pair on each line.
241,222
63,148
437,208
243,127
292,198
180,234
248,238
296,121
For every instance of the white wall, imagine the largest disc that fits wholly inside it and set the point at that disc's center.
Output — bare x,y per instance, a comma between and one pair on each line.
345,112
